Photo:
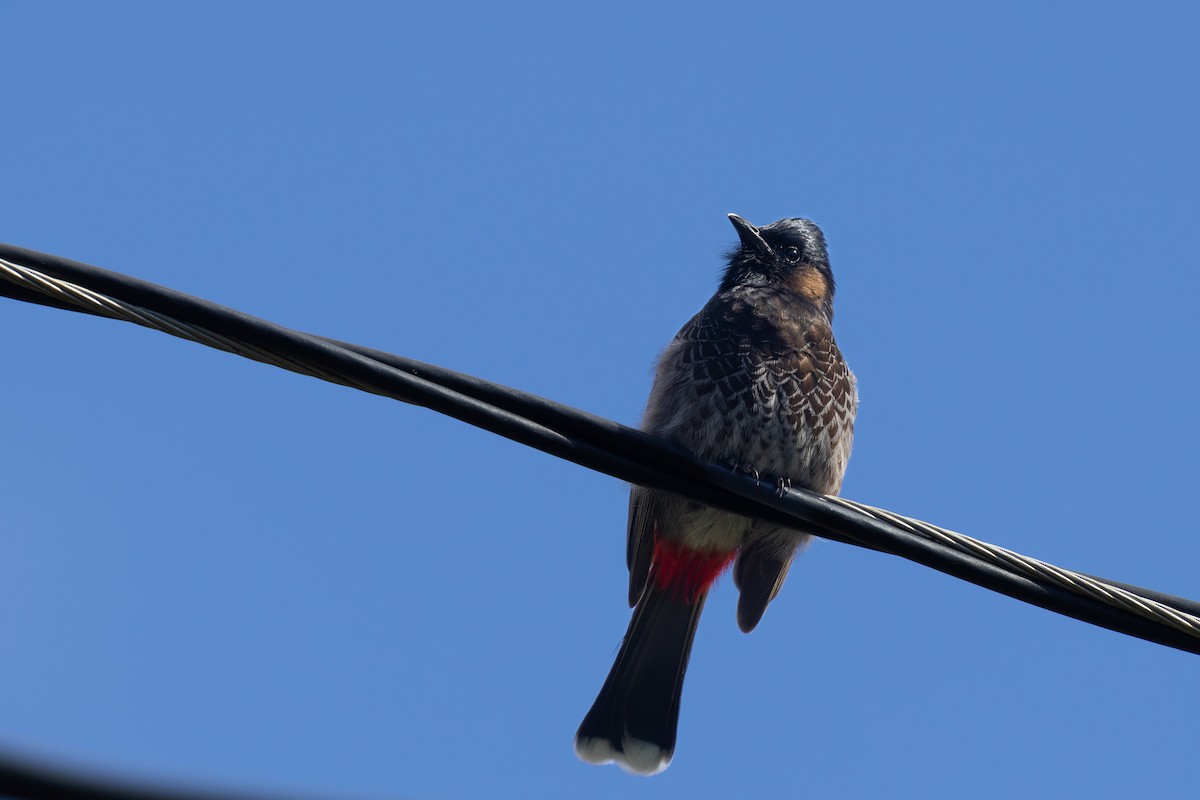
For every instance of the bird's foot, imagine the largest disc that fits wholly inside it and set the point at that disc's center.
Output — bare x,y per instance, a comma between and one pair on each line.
744,468
783,486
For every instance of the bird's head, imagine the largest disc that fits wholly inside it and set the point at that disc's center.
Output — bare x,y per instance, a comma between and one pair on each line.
789,254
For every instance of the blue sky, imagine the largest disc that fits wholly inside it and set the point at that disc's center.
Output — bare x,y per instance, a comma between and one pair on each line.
222,573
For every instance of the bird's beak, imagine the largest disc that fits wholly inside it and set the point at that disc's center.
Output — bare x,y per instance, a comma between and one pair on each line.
751,239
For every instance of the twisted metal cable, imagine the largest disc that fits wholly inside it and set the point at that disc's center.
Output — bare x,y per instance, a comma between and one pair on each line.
102,305
1115,596
72,294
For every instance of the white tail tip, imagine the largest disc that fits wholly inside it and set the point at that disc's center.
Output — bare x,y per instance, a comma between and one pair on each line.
638,758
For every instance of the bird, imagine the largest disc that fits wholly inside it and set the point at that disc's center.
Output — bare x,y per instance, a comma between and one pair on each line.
754,381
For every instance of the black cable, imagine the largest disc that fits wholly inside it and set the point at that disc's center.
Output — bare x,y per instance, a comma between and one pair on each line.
569,433
46,782
584,439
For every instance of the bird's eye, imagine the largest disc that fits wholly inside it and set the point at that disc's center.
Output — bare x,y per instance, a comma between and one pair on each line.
791,253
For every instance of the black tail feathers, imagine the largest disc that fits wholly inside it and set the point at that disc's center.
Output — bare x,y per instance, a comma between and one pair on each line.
634,718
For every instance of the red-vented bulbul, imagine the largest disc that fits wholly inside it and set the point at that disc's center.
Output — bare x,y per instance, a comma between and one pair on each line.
755,380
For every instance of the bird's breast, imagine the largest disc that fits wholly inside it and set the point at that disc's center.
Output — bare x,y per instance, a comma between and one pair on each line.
784,411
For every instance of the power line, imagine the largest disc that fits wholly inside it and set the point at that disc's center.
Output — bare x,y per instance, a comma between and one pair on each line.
597,443
552,427
45,782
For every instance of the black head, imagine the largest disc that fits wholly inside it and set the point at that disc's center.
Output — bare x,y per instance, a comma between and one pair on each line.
789,254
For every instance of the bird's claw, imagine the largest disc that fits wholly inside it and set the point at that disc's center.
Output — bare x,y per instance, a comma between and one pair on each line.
746,468
783,486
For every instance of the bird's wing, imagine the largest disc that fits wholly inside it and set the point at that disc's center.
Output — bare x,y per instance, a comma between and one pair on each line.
639,547
758,573
703,357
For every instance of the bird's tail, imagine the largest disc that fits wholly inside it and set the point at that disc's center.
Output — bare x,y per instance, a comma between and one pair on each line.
634,718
